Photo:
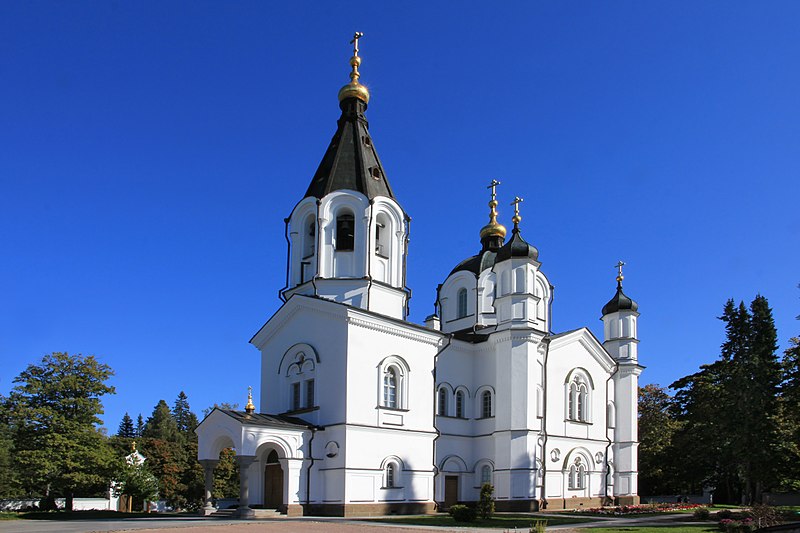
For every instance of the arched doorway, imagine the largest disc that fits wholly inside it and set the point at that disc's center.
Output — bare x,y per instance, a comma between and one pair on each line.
273,482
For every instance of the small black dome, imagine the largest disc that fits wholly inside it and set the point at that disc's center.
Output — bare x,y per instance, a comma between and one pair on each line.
477,263
619,302
517,247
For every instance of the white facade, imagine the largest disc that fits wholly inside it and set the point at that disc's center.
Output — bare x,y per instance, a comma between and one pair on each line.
363,412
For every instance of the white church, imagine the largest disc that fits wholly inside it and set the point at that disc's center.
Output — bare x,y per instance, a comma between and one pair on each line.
365,413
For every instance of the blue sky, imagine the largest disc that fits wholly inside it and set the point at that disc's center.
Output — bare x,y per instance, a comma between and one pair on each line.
149,152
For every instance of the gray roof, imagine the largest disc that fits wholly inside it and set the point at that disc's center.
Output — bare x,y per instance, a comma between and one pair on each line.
263,419
351,161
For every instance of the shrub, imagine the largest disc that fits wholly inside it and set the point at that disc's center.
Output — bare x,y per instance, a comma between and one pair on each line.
702,513
486,503
737,526
538,526
764,515
462,513
724,514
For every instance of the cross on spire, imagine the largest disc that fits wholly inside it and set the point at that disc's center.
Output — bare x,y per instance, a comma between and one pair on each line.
620,277
250,407
493,185
516,218
356,36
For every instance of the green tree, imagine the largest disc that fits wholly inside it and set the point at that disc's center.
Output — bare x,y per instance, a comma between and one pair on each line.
657,427
758,378
137,481
731,427
185,419
139,426
161,425
226,475
126,429
9,480
58,448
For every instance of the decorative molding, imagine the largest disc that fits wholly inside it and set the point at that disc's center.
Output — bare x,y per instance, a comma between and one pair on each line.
396,331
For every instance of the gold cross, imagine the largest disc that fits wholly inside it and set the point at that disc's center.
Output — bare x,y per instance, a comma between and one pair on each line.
619,266
356,36
516,219
515,203
493,185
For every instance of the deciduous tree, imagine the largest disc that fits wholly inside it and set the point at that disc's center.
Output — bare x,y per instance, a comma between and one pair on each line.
56,406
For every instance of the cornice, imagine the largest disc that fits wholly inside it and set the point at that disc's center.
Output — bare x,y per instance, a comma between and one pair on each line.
394,330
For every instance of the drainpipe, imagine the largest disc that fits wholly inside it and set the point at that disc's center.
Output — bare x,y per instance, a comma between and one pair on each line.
405,264
449,337
311,463
369,252
288,257
544,425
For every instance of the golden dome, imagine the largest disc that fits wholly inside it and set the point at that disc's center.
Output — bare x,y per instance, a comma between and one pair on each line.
354,89
493,228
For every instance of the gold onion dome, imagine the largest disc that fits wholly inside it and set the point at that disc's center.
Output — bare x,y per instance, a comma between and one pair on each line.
493,228
354,89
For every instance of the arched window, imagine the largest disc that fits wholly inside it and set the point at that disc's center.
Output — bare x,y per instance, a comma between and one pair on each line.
486,404
577,474
442,401
461,299
390,476
578,397
309,239
345,232
486,474
390,387
582,398
383,242
460,404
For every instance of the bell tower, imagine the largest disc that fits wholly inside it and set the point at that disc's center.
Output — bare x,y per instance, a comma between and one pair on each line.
620,316
348,237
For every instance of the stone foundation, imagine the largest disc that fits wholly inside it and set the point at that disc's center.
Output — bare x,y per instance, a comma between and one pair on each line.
628,500
516,506
366,509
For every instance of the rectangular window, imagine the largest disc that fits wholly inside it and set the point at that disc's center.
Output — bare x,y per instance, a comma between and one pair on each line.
460,404
295,396
310,393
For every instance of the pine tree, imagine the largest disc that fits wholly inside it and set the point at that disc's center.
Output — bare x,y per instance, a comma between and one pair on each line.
790,415
762,375
126,429
185,419
139,426
161,425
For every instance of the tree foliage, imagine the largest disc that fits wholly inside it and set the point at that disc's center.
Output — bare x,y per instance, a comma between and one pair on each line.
126,428
657,428
58,448
729,429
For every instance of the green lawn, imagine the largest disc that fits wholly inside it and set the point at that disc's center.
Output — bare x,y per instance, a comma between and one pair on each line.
499,521
656,529
88,515
9,516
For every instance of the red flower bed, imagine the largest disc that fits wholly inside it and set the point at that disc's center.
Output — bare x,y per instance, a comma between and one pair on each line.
622,510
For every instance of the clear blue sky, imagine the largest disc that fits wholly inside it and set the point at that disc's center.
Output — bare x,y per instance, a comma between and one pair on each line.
149,152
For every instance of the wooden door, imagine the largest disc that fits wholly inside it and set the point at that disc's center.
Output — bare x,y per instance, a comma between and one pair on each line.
450,491
273,483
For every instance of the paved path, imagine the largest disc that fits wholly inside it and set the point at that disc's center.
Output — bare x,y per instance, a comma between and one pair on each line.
295,525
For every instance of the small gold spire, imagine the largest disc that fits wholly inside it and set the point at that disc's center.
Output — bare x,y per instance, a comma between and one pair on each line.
133,446
354,88
250,408
516,219
620,277
493,228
